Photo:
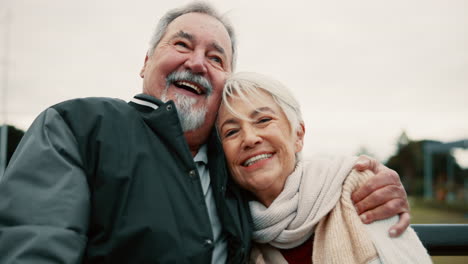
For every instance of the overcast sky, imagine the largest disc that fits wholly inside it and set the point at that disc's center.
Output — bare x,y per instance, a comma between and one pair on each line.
364,70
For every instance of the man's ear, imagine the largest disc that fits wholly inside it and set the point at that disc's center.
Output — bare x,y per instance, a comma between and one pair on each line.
142,71
300,132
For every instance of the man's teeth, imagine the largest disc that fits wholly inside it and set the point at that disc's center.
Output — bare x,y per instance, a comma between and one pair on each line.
189,85
256,158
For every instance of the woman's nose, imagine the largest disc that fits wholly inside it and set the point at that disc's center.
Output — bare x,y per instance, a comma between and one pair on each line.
251,138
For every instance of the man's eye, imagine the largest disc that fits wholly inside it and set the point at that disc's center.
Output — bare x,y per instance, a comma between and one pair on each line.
181,44
216,59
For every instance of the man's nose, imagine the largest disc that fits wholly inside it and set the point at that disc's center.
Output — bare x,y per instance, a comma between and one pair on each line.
251,138
196,62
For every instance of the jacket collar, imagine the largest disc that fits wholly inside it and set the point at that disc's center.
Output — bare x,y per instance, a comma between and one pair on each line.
163,120
147,100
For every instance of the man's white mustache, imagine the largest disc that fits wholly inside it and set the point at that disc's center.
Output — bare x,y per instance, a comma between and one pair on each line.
191,77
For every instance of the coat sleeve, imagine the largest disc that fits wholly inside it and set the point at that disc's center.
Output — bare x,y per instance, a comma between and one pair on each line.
44,197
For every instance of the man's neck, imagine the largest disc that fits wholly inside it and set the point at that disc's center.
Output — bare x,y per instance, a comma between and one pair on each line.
194,152
194,142
195,139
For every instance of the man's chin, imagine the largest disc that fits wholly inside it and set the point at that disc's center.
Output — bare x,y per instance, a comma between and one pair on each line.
191,120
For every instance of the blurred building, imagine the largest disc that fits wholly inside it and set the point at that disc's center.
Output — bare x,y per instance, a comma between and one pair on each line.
428,168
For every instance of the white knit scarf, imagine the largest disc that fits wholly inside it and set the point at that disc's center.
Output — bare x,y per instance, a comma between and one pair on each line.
291,219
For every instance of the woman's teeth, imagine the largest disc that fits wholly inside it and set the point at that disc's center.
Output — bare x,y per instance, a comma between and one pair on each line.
255,159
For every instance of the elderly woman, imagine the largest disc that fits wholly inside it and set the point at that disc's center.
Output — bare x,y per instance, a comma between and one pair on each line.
302,208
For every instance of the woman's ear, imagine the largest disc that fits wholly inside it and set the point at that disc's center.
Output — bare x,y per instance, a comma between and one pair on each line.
300,132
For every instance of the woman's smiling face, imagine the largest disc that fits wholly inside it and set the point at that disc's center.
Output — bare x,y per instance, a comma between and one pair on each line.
260,146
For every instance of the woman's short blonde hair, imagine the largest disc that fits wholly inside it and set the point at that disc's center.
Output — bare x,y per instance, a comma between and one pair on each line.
247,85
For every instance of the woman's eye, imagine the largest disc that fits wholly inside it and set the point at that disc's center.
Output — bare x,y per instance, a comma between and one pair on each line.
264,120
230,133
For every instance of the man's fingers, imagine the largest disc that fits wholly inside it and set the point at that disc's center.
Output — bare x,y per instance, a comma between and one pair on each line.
365,163
382,196
398,228
391,208
388,177
379,197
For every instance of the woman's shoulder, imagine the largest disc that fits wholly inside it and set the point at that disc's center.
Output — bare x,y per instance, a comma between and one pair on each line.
327,161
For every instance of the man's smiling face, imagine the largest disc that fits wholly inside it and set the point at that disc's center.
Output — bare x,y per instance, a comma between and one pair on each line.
190,65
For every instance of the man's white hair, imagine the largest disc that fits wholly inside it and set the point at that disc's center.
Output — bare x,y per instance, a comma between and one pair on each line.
193,7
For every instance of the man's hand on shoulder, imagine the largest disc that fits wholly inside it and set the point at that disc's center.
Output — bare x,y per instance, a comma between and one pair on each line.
382,196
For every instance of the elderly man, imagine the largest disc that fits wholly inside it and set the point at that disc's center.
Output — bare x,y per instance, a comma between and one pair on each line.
99,180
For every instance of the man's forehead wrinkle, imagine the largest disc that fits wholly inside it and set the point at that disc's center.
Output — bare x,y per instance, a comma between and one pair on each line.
185,35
